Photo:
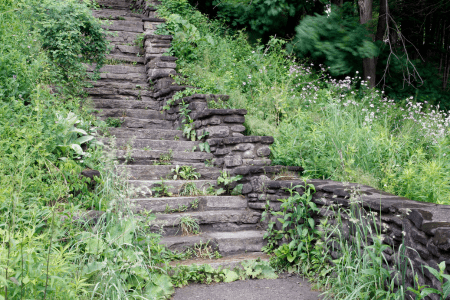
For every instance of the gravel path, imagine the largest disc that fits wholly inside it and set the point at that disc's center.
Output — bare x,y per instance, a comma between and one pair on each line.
286,287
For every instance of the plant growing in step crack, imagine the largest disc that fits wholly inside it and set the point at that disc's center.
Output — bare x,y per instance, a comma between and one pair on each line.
194,203
182,207
226,180
164,158
204,250
190,189
139,41
170,210
161,189
185,173
114,122
189,225
179,95
183,275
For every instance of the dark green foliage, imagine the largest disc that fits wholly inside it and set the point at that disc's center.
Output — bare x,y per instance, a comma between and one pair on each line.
262,18
338,39
404,78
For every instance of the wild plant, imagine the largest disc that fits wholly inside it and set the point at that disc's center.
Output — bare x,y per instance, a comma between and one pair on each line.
185,173
423,291
226,181
161,189
190,189
114,122
204,250
164,158
189,225
299,228
251,269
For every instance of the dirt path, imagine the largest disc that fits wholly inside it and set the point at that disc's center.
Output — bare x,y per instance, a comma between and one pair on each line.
285,287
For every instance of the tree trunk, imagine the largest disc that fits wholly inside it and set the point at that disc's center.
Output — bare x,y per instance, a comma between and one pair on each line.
369,64
382,21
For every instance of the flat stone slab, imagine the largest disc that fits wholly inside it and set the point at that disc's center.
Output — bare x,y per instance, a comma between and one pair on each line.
219,216
153,172
229,262
225,242
143,187
131,113
164,134
119,69
148,157
149,144
115,84
203,203
116,14
126,58
126,104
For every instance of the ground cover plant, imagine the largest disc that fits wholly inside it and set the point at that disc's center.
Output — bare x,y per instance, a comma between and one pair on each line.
335,129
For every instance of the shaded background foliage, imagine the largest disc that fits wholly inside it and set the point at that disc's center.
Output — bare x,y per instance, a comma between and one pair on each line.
412,56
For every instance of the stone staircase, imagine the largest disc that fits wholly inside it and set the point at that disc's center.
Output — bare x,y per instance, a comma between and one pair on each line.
149,143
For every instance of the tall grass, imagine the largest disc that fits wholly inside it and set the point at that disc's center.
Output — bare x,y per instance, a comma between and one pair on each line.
335,129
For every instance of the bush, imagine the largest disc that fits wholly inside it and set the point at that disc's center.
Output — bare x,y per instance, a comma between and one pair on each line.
338,39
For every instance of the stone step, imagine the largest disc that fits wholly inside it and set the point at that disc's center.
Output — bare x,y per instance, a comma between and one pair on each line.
134,25
131,113
120,14
154,172
126,104
142,157
125,58
148,144
115,84
143,188
146,124
133,78
120,94
161,134
118,69
130,49
123,37
197,203
226,262
114,4
226,242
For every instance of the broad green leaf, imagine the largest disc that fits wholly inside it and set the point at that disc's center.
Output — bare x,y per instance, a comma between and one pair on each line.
164,282
433,271
230,276
446,287
78,130
95,245
83,139
77,149
311,222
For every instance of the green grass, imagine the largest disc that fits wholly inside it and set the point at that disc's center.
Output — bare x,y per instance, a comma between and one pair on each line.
334,129
48,250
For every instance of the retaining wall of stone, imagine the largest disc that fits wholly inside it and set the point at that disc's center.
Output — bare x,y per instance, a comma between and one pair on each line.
424,228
